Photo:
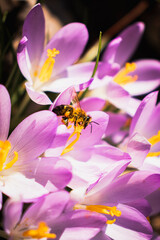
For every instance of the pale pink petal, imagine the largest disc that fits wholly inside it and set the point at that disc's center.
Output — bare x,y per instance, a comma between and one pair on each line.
37,97
34,30
17,186
5,112
12,214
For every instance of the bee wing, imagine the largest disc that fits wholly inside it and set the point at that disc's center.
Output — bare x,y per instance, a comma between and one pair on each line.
74,99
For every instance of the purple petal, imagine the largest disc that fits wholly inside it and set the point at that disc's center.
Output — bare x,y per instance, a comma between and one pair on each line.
130,225
131,186
70,41
59,142
116,121
111,50
33,136
5,112
153,200
37,97
96,194
119,97
23,61
54,170
143,113
138,147
148,72
92,104
142,206
79,225
153,122
12,214
130,39
34,30
101,236
47,208
111,154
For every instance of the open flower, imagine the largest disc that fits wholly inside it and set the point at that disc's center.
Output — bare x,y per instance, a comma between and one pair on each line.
121,199
20,151
47,219
41,66
120,78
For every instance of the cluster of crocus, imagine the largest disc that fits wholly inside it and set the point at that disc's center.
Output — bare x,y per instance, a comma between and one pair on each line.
76,171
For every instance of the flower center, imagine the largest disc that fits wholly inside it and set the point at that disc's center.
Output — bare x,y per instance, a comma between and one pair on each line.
153,140
123,78
47,67
5,146
112,211
41,232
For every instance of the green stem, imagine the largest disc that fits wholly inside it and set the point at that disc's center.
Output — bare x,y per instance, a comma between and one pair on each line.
95,66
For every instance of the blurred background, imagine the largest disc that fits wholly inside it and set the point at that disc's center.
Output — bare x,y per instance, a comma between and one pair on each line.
110,17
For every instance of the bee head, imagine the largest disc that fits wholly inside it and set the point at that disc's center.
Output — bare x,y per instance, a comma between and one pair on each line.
87,121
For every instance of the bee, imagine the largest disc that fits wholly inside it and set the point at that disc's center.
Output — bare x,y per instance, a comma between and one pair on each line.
73,114
69,114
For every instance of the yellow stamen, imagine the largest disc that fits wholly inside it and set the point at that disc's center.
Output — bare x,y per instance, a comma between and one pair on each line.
110,221
70,146
5,147
77,130
122,78
47,67
41,232
112,211
153,140
10,164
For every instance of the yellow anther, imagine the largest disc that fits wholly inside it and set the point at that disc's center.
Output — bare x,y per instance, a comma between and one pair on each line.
41,232
154,139
70,146
110,221
112,211
5,146
52,53
47,67
10,164
122,78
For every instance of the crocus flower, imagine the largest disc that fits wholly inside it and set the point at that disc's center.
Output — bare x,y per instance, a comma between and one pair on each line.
121,79
121,200
46,219
19,151
41,66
